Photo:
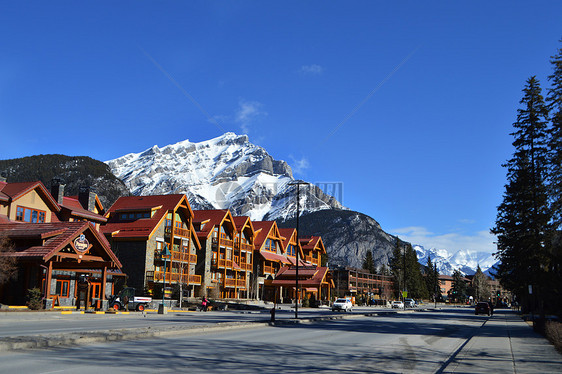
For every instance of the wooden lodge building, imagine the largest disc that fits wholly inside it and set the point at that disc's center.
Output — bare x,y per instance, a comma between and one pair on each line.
225,263
154,238
56,246
75,251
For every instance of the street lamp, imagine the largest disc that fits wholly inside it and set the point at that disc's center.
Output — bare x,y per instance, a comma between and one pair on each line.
298,184
165,255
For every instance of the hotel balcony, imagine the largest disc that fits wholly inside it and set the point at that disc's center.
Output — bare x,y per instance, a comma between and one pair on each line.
184,257
246,247
158,276
184,233
234,283
222,243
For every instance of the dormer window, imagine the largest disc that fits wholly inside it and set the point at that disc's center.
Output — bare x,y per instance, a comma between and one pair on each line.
131,216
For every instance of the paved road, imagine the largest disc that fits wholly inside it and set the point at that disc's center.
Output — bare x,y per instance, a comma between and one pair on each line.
449,341
27,324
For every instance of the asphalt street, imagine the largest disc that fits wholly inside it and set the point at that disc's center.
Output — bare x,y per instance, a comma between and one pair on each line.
445,341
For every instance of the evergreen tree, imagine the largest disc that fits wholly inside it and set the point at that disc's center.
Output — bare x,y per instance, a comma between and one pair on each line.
368,263
554,103
480,285
397,268
522,224
432,279
415,283
459,288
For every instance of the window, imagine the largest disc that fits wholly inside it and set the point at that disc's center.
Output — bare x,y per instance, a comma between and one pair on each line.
30,215
62,287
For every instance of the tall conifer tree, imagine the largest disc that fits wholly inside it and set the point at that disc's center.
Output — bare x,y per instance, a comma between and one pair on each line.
522,224
554,102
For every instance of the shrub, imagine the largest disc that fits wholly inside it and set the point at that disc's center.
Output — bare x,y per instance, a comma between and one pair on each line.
34,300
553,332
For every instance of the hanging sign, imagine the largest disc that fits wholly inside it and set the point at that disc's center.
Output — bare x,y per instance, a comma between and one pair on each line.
81,243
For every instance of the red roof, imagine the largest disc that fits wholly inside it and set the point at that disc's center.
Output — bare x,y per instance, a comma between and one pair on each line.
13,191
143,227
315,276
212,218
76,209
55,237
270,256
262,230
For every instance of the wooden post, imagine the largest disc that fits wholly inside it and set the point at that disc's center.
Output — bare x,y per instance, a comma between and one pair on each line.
48,280
103,282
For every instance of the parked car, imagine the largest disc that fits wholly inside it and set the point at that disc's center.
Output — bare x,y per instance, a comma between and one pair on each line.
342,305
409,303
397,304
483,307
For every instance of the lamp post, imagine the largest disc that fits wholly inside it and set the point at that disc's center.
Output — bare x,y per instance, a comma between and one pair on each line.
298,184
165,255
404,289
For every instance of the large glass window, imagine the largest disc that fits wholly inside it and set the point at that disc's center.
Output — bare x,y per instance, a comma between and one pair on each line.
30,215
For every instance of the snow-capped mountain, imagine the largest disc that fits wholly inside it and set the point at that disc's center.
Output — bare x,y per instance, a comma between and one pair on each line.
464,260
227,172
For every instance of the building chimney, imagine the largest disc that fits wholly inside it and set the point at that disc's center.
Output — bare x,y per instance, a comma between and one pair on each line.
57,189
87,198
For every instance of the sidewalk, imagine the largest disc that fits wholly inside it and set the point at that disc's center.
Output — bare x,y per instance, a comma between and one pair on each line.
505,344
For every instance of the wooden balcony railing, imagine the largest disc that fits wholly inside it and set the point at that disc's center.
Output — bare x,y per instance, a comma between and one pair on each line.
222,263
228,282
184,233
268,269
246,247
184,257
158,276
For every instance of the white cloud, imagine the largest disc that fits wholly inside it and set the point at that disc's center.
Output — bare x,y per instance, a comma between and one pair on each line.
481,241
248,112
299,165
312,69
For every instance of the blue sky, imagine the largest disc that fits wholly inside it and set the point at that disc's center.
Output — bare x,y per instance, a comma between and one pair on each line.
409,105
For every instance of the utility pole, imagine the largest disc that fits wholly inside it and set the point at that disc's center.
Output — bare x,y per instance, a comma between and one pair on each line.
298,184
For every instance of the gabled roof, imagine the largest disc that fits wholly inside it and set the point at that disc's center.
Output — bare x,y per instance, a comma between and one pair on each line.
54,237
73,205
270,256
13,191
243,222
142,228
313,276
263,229
289,234
313,243
212,218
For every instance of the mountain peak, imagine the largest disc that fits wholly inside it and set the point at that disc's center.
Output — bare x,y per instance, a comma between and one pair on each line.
224,172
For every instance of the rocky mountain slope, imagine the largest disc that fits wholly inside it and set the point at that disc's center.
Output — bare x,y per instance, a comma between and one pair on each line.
227,172
73,171
347,236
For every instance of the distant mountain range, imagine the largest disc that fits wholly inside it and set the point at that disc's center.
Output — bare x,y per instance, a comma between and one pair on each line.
465,261
229,172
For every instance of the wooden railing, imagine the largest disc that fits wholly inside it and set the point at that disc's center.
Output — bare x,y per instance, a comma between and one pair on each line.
184,257
268,269
228,282
176,231
246,247
158,276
